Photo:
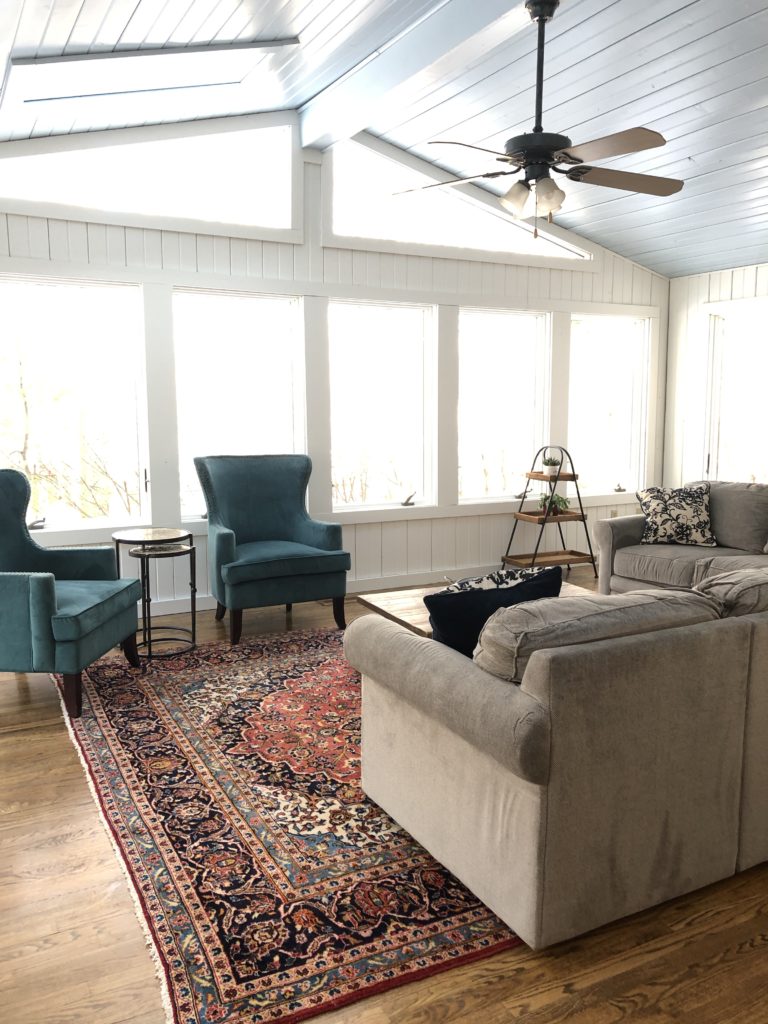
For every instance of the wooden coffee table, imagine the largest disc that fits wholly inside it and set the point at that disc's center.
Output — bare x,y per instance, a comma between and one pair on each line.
408,609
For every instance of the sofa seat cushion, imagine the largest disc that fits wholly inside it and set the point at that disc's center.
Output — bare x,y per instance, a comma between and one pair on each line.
84,605
267,559
512,635
666,565
458,613
739,514
730,561
740,592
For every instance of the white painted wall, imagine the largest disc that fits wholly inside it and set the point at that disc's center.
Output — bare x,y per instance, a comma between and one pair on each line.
390,548
687,361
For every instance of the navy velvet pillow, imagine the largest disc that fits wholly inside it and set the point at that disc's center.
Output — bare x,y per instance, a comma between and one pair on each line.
458,614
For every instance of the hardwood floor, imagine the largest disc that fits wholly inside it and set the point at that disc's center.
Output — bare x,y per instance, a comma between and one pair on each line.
72,949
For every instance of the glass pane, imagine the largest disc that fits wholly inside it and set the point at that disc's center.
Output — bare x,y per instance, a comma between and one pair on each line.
239,380
740,452
378,404
167,177
365,206
503,396
607,402
72,397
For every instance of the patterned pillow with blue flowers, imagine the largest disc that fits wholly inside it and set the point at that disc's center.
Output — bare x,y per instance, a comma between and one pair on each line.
677,516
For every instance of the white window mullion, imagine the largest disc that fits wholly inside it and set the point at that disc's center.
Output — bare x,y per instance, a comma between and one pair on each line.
161,406
318,403
555,416
447,441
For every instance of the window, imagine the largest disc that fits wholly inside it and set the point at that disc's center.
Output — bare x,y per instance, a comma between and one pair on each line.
72,406
381,369
239,380
365,206
206,177
739,349
503,400
608,401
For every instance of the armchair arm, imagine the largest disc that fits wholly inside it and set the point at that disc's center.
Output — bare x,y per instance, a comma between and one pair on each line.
79,563
221,547
611,534
27,602
326,536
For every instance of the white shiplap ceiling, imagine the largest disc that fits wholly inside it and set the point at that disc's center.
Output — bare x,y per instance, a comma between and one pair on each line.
412,71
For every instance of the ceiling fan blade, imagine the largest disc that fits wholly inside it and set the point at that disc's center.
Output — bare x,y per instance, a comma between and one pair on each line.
468,145
633,140
456,181
648,184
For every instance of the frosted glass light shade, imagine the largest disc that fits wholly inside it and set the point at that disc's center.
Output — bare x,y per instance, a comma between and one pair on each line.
516,198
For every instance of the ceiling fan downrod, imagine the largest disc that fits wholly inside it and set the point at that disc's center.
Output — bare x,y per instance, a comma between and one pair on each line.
541,11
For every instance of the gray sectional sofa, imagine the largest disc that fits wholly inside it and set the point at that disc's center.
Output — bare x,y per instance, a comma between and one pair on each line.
625,768
739,513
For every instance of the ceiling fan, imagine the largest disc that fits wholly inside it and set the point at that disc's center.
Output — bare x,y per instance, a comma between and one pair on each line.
538,153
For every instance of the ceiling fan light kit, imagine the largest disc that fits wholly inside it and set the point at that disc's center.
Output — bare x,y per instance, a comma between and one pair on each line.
538,154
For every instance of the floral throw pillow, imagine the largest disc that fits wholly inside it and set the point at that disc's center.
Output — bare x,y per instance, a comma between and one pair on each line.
677,516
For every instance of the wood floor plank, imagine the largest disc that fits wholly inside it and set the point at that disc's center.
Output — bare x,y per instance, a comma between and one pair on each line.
73,952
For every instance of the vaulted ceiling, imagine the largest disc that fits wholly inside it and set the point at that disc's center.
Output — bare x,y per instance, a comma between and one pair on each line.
415,71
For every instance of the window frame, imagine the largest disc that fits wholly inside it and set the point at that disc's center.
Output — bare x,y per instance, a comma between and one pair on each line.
588,259
158,132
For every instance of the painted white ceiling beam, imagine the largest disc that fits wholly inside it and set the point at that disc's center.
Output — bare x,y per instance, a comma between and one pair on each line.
386,78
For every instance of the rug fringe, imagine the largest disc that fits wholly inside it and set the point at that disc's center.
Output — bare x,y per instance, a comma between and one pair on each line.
149,939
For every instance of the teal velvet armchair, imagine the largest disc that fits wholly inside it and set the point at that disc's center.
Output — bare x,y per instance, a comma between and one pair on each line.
60,608
263,548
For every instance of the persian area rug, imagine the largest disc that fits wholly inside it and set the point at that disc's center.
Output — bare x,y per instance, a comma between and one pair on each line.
272,888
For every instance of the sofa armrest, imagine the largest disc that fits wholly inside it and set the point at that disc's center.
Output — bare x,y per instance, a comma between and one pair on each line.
490,713
27,603
611,534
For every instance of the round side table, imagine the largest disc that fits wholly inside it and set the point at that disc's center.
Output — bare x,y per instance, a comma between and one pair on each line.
149,544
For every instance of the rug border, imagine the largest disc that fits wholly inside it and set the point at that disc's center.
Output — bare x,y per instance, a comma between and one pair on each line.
139,909
160,968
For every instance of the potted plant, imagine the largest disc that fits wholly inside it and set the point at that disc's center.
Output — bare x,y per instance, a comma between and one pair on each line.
557,503
551,465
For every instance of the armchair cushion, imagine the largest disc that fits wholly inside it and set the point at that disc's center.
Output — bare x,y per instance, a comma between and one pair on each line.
267,559
84,605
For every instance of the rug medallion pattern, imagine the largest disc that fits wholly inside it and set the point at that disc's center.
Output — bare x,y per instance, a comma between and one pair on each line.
273,888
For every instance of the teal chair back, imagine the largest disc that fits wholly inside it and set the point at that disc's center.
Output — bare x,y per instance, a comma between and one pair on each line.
18,552
259,497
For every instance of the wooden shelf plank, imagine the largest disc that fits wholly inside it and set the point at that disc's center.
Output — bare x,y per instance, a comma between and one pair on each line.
563,517
546,476
547,558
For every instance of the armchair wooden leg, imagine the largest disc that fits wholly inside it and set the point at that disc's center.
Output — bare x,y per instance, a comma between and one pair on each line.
220,610
131,651
288,609
338,612
73,694
235,624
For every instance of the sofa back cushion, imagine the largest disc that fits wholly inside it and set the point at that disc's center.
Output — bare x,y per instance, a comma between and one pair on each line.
739,513
740,592
512,635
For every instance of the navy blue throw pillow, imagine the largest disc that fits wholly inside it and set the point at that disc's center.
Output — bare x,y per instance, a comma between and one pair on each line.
458,613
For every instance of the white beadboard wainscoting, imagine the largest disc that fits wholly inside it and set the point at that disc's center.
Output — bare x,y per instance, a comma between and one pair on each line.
386,551
393,554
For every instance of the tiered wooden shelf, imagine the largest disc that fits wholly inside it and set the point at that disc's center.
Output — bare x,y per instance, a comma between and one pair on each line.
565,556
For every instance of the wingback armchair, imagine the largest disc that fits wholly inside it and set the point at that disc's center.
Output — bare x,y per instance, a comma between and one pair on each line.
263,548
60,608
